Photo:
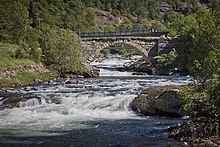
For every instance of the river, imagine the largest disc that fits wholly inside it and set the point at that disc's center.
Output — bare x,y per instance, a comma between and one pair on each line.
89,112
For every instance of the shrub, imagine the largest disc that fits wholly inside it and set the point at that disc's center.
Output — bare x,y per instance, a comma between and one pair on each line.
62,50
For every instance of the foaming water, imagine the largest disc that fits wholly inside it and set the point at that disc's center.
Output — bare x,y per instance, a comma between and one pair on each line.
29,103
112,66
92,112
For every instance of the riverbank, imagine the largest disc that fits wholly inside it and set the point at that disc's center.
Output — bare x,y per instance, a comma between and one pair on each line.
16,71
167,101
25,75
196,134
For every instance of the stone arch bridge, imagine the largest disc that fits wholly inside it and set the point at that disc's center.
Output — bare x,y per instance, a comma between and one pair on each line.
143,40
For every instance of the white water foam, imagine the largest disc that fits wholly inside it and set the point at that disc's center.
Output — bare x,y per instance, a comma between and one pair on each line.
29,103
107,64
72,106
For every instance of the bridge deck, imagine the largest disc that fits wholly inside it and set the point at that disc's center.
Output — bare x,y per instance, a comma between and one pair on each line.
149,32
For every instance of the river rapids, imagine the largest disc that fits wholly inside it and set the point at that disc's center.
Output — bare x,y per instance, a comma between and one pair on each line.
89,112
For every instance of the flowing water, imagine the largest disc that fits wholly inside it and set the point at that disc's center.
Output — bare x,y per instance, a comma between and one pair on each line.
89,112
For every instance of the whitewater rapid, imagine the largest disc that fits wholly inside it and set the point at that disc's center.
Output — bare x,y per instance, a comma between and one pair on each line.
67,107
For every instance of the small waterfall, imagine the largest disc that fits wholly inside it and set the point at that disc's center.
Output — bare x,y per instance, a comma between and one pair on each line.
30,103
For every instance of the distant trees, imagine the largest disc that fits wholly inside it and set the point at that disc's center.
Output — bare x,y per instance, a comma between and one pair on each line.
14,21
44,30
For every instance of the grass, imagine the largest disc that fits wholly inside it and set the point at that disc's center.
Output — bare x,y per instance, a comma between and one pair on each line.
26,78
8,46
7,60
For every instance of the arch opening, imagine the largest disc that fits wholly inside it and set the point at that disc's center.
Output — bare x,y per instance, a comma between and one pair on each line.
121,49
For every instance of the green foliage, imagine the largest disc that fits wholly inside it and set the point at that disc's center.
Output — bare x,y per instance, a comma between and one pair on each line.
204,56
166,59
105,52
23,50
14,20
8,60
183,27
26,78
170,16
160,59
146,9
215,98
121,49
127,25
8,46
62,50
191,98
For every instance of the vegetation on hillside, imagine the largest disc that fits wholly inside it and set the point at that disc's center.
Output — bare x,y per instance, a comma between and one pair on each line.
23,22
120,49
199,35
43,30
61,49
8,59
10,64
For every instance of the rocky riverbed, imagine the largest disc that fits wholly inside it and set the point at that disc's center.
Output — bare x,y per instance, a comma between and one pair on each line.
196,134
12,71
65,105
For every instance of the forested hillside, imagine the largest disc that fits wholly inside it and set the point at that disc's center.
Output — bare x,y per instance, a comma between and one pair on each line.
32,24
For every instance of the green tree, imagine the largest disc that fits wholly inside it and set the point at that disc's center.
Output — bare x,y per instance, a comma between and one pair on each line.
62,50
205,59
205,54
14,20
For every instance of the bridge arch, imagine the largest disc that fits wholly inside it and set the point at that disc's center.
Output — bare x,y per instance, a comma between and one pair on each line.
92,48
138,47
143,40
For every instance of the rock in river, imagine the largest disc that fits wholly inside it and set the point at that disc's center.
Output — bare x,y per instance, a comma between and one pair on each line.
13,100
162,101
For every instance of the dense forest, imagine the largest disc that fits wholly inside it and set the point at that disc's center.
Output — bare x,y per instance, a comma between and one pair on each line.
32,23
41,27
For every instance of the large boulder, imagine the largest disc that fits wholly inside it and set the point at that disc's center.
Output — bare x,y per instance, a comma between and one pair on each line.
141,66
162,101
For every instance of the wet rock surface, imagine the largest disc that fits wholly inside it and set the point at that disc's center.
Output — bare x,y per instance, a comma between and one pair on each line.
141,66
14,100
149,69
90,71
196,134
162,101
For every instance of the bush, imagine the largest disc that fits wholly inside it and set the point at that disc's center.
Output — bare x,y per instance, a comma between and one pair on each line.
62,50
36,54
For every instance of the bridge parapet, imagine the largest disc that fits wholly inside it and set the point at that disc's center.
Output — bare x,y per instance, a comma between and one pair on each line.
145,32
